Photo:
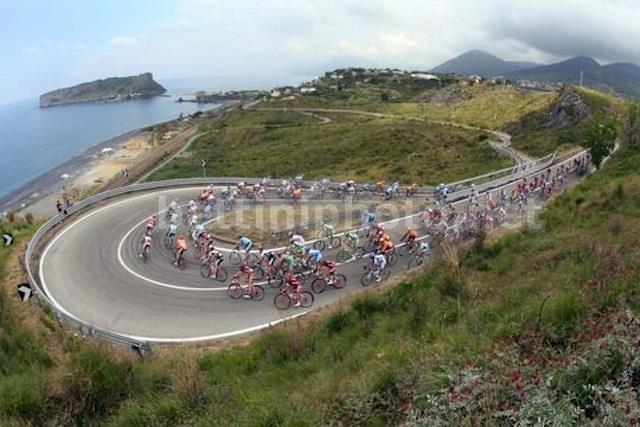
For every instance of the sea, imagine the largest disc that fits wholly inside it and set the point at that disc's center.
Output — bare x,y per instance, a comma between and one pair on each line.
33,140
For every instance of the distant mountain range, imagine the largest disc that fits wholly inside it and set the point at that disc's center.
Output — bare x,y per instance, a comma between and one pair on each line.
623,78
481,63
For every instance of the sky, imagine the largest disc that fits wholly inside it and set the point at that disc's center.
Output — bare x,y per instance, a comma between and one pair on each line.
47,44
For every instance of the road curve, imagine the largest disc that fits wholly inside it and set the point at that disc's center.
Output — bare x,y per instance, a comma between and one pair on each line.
91,271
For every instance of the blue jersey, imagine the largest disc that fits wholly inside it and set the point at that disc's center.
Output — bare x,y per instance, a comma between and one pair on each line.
315,255
245,242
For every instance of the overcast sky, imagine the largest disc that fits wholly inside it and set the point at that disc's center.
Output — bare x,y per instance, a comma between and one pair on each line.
46,44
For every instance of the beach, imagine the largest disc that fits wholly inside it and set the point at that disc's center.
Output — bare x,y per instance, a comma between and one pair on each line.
101,166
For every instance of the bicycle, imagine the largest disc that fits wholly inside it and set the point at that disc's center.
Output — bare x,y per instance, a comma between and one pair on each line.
418,259
333,241
371,275
145,253
347,253
236,291
214,272
182,264
237,257
168,241
321,283
284,299
408,248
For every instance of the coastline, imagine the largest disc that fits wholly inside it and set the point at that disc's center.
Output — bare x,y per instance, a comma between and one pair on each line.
50,181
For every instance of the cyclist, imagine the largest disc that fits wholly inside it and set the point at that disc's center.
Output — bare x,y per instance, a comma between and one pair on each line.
267,257
198,231
172,208
151,224
386,245
181,246
329,267
313,258
369,218
172,229
214,259
287,261
244,243
352,239
378,263
425,248
146,244
410,236
412,189
293,282
296,194
328,232
297,242
241,186
246,269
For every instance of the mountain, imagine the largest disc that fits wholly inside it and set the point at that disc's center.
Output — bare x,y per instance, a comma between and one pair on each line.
481,63
619,77
111,89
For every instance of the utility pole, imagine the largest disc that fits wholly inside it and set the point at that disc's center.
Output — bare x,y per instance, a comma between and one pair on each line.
581,77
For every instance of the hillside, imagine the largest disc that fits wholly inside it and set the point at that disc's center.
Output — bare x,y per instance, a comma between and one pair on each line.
539,326
480,63
111,89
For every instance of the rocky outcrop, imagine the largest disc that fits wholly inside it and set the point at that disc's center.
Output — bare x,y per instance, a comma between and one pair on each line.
111,89
569,110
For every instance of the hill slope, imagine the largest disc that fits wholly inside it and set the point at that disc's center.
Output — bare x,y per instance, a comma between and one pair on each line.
111,89
481,63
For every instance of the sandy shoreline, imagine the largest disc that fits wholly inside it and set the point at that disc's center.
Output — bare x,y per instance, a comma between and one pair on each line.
87,169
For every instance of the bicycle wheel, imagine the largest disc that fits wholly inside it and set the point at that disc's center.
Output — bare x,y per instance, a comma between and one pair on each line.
358,253
392,259
403,250
183,262
253,259
367,279
318,285
275,280
235,258
336,242
415,261
343,255
235,291
306,299
320,245
258,273
205,271
258,293
339,281
222,274
282,301
384,275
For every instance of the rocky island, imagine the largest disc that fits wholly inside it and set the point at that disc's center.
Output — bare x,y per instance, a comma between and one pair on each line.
111,89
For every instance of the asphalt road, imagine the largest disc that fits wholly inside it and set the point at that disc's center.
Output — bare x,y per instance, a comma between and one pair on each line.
92,271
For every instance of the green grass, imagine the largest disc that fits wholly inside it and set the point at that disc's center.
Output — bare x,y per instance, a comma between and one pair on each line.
350,147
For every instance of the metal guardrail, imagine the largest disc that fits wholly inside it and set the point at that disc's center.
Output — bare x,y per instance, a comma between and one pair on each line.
144,347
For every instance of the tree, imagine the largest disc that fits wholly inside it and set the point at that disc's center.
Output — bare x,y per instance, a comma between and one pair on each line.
599,135
632,129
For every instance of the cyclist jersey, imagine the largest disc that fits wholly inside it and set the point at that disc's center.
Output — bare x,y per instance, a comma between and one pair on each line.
245,242
270,257
146,241
172,229
379,259
353,237
315,255
151,222
328,264
370,218
297,239
328,228
290,260
181,244
425,248
412,235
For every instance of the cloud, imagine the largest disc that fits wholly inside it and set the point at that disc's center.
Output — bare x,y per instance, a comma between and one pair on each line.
124,41
603,29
